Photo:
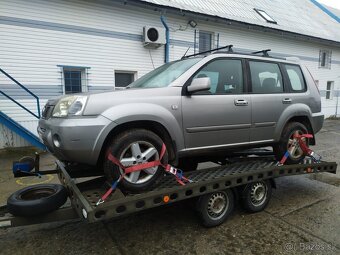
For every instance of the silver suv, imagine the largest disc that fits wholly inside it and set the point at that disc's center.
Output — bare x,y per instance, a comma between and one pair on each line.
202,108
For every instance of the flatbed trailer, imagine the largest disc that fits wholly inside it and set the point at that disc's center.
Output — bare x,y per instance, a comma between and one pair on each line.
208,185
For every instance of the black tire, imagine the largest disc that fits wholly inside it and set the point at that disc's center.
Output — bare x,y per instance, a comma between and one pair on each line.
281,147
187,164
37,199
205,205
117,147
253,201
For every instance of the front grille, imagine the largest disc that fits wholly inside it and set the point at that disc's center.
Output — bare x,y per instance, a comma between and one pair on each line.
47,111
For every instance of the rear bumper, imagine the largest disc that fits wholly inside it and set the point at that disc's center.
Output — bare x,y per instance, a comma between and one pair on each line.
317,121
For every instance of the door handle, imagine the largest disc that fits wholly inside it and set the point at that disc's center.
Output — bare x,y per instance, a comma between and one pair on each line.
287,101
241,102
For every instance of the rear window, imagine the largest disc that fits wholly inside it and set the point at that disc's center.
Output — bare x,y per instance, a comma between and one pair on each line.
266,77
297,82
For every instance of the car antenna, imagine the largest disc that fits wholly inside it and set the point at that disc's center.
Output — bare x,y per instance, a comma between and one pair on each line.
186,52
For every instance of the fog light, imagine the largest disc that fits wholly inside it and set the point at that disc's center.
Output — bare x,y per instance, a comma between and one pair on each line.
56,140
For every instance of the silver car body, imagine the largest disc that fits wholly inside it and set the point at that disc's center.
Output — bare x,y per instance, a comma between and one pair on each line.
195,123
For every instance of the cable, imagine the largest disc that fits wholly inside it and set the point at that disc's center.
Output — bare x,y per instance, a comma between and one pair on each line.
151,59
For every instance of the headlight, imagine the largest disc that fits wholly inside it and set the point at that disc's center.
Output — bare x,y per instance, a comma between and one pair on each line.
69,106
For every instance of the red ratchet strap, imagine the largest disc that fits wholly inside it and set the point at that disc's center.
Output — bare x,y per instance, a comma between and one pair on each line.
302,144
127,170
307,151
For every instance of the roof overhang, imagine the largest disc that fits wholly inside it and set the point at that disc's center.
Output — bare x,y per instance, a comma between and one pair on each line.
230,23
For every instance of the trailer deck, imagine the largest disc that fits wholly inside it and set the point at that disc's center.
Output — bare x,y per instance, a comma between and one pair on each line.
84,194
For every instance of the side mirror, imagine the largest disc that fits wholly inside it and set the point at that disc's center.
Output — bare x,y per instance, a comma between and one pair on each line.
199,84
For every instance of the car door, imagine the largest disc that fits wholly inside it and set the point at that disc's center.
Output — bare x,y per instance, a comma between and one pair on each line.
269,98
221,116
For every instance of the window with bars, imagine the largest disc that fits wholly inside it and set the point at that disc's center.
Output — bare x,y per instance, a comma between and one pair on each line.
325,59
74,80
204,41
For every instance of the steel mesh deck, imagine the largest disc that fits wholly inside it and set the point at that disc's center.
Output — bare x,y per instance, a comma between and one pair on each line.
85,195
169,181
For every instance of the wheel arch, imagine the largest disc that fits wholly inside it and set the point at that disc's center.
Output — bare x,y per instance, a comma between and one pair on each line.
306,122
296,113
153,126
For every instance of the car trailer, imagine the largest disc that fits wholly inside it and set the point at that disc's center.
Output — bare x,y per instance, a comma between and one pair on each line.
250,178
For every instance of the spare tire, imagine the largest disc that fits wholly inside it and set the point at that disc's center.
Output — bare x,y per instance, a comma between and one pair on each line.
37,199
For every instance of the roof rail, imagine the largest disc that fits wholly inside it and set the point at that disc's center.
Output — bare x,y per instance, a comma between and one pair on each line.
264,52
229,47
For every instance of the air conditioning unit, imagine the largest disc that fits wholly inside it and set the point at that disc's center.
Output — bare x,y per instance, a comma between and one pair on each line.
153,37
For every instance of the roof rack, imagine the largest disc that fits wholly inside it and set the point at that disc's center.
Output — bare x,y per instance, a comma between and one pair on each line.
264,52
229,47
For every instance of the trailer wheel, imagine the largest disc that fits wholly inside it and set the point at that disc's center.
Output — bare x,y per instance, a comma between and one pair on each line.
37,199
215,208
255,196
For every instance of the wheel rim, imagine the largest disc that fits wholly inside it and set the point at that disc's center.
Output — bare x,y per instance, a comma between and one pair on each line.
258,193
35,194
295,152
137,153
217,205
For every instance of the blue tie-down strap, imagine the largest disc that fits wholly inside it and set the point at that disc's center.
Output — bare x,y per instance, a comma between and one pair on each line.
179,174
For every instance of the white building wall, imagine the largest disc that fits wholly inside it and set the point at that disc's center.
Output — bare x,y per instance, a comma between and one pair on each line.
38,37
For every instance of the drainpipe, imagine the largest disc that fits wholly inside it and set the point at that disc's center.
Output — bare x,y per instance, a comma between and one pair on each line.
167,39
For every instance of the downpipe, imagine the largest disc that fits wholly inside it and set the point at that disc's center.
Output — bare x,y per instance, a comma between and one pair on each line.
167,39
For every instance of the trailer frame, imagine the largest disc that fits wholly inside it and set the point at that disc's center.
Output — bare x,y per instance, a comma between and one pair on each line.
83,195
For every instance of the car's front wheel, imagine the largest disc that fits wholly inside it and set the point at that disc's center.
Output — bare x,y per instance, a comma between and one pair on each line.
133,147
286,143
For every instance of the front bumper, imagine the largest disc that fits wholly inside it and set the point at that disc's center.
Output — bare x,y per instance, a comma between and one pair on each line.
78,139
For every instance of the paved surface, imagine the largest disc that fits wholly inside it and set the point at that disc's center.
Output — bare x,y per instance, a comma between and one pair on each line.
303,217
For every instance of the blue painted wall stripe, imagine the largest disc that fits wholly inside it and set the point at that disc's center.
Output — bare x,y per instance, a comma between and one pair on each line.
328,12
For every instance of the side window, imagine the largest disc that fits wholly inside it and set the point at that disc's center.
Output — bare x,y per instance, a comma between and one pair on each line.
225,76
266,78
296,78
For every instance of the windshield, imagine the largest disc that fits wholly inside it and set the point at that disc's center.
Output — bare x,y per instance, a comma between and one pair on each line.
165,74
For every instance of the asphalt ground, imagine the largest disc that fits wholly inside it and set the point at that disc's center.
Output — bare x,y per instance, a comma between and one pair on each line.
303,217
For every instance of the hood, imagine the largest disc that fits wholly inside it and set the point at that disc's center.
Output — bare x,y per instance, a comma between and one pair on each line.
99,102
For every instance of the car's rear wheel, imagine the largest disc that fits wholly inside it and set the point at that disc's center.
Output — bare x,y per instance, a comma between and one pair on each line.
286,143
133,147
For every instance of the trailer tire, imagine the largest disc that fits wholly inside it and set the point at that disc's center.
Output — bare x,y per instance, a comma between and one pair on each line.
255,196
37,199
214,208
